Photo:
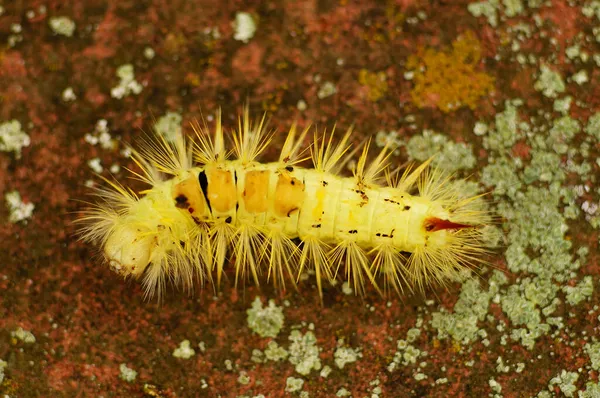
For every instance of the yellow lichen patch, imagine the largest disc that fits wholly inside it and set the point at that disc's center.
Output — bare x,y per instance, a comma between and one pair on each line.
256,188
289,195
449,80
376,83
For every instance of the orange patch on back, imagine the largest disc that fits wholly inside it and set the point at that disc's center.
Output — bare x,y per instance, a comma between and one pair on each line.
256,189
221,191
289,195
188,197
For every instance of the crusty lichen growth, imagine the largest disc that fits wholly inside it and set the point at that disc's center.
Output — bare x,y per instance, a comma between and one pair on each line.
449,80
376,84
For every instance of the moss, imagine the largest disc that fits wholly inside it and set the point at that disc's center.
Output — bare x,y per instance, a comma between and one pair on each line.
449,80
376,84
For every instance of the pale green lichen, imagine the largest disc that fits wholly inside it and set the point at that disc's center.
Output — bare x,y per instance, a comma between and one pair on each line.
3,365
592,390
544,166
127,83
243,378
549,82
561,133
513,8
184,351
562,105
450,156
593,126
24,335
293,384
593,351
566,382
506,131
18,210
267,321
275,353
169,126
327,89
502,174
488,9
304,352
344,355
244,27
471,308
127,374
62,26
13,138
583,290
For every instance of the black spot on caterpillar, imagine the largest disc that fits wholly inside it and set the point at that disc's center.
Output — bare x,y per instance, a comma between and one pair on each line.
259,210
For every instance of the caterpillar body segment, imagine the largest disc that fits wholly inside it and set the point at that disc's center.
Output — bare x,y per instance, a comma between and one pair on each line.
202,208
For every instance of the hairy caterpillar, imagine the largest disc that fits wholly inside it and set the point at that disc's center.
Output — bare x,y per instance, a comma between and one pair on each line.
202,206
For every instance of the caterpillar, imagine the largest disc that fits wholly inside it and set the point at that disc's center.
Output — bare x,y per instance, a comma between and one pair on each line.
205,210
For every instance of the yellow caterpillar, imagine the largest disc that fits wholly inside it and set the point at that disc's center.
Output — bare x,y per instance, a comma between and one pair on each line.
202,206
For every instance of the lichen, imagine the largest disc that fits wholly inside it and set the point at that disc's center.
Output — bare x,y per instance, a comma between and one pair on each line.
449,80
566,382
344,355
184,351
62,26
18,210
449,156
127,374
267,321
593,351
24,335
549,82
12,138
376,84
244,26
293,384
127,83
304,352
169,126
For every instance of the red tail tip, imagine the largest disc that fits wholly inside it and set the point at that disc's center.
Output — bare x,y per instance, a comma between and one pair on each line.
433,224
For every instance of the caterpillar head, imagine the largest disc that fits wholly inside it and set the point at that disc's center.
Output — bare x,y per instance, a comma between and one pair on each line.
129,250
